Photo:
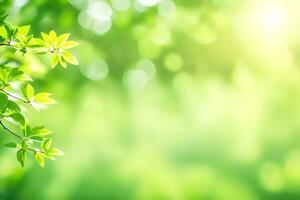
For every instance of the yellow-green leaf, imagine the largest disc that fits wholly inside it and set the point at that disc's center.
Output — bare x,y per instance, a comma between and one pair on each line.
52,36
18,117
40,158
69,58
36,42
21,156
23,30
54,60
44,98
45,37
55,152
41,131
46,144
29,91
62,38
69,44
62,62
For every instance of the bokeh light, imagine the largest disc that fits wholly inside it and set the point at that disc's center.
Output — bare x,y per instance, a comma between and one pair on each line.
172,100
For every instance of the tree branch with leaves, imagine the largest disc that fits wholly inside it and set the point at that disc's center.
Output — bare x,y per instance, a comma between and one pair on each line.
33,140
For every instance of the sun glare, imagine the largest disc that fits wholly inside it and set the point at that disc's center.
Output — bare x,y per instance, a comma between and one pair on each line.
271,19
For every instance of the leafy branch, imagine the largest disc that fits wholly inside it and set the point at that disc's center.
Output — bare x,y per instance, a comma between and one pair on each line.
36,139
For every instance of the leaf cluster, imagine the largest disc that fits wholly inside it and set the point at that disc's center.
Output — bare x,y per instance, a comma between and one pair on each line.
35,140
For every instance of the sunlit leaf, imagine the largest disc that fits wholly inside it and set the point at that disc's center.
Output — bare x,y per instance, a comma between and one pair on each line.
23,30
13,106
29,91
41,131
54,60
21,154
55,152
69,44
46,144
3,102
52,37
62,62
40,158
18,117
44,98
69,57
62,38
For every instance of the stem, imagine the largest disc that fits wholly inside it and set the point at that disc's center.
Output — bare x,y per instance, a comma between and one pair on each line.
9,45
13,96
19,137
10,131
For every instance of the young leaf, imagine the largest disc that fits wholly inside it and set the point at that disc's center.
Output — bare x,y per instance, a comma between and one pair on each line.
29,91
14,73
69,44
55,152
3,102
13,106
46,144
45,37
23,30
62,62
40,158
21,154
26,130
37,138
52,37
69,58
44,98
10,145
40,130
54,60
62,38
18,117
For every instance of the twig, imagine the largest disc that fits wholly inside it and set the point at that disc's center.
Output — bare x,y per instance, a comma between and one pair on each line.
19,137
13,96
10,131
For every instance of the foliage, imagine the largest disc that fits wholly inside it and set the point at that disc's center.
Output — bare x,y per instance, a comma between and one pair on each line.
35,140
185,99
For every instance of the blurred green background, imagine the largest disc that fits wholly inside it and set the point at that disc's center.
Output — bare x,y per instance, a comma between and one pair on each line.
173,99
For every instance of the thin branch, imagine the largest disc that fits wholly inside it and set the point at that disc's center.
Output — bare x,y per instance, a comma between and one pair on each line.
19,137
9,45
15,97
10,131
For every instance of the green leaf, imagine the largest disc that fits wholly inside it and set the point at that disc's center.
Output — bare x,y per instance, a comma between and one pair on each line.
69,58
29,91
14,73
18,117
62,38
36,42
23,30
45,37
54,60
40,130
11,145
62,62
37,138
21,154
3,102
55,152
69,44
43,98
12,106
2,18
40,158
52,37
46,144
26,130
